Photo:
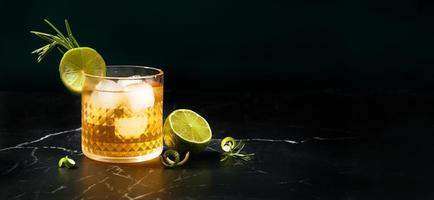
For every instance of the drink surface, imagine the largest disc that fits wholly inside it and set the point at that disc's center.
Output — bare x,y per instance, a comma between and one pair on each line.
122,121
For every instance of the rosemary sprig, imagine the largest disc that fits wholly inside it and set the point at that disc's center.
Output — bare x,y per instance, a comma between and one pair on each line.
67,42
232,149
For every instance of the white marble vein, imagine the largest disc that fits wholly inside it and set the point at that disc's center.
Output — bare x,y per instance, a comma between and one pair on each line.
72,151
18,196
58,189
138,182
90,187
109,187
163,189
11,169
334,138
297,142
269,140
35,158
40,139
183,178
258,171
84,178
118,171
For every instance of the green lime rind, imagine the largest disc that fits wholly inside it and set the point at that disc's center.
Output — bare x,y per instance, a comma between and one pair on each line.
228,144
79,61
166,160
61,162
193,142
183,161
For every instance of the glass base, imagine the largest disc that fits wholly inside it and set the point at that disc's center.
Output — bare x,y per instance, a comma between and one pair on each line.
134,159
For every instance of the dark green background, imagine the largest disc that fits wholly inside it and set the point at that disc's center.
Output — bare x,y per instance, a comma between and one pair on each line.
222,45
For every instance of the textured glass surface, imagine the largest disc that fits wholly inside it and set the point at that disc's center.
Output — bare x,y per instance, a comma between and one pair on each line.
122,123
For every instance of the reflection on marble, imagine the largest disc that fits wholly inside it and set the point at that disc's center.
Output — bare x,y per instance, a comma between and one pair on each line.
307,145
32,166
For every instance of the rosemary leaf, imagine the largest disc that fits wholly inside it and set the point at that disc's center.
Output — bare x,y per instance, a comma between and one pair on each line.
48,50
68,42
55,29
44,36
68,29
61,51
39,49
235,150
240,148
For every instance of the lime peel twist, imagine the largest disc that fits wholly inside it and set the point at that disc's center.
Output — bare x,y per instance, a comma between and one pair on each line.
171,158
232,149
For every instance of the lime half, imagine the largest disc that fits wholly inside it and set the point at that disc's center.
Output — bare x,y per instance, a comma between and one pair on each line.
184,130
78,61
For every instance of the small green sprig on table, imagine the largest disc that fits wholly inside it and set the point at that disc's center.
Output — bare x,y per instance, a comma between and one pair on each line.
66,162
232,149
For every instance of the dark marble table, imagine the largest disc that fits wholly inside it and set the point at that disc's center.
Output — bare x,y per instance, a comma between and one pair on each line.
326,144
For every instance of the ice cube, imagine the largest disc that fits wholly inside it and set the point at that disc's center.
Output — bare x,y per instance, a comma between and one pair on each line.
139,96
108,86
132,80
107,94
130,128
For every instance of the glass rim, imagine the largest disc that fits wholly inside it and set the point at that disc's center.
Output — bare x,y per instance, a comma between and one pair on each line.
159,73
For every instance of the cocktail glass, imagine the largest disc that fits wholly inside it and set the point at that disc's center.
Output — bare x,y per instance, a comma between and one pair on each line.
122,114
